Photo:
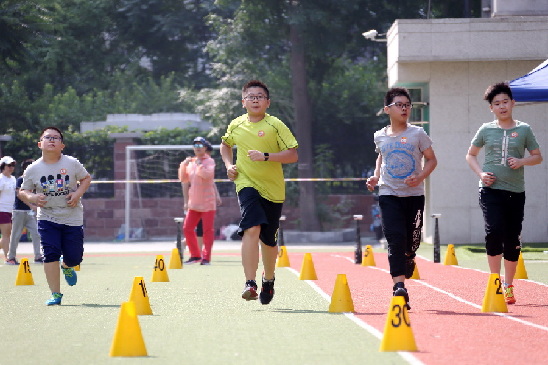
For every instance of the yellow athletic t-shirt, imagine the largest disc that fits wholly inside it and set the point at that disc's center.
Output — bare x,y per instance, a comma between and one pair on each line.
268,135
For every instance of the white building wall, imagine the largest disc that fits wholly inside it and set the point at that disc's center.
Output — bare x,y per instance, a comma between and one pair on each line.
458,59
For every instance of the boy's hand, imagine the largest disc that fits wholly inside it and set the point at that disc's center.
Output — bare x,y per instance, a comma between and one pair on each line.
232,172
412,180
72,199
515,163
371,183
255,155
488,178
40,200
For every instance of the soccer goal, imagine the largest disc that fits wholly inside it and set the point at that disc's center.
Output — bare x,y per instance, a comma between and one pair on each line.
152,173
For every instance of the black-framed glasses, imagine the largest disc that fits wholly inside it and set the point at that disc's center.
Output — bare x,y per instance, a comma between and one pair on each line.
256,97
198,145
51,138
402,105
11,164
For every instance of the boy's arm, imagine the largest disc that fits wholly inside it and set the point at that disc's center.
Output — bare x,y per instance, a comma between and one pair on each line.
74,197
534,158
287,156
487,178
185,186
372,181
228,159
429,165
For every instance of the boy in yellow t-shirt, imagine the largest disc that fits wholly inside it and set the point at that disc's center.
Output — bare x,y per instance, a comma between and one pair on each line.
264,144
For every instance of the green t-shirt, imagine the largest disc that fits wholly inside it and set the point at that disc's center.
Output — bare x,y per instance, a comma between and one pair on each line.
500,144
268,135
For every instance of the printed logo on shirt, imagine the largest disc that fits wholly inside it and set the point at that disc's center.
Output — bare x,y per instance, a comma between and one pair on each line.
403,140
261,134
55,186
514,134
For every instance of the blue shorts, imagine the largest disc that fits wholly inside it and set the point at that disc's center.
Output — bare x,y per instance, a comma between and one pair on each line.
258,211
60,239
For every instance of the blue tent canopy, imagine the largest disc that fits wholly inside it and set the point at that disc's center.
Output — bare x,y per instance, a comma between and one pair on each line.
533,86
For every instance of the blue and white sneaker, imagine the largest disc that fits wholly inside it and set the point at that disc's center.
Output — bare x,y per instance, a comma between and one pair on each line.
55,299
70,275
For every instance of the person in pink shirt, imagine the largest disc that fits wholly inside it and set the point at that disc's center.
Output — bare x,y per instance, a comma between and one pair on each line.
199,172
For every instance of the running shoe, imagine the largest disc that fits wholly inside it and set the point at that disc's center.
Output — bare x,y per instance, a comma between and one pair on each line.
400,291
205,262
70,275
409,267
193,260
267,291
250,291
55,299
39,260
12,262
509,294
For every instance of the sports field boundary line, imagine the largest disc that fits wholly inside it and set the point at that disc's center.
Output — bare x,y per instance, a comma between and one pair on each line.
451,295
370,329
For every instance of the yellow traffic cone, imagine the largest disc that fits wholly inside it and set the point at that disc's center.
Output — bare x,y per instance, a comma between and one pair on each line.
416,274
493,300
283,258
24,275
521,272
307,268
450,257
175,260
398,335
128,339
76,268
368,257
341,300
160,270
139,296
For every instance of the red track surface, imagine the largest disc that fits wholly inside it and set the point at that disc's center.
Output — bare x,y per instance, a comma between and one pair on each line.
447,327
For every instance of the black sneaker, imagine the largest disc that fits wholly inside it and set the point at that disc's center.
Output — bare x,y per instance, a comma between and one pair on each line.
205,262
250,291
192,260
267,291
409,267
400,291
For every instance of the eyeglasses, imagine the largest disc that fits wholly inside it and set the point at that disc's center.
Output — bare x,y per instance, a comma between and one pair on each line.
12,164
51,138
402,105
198,145
256,97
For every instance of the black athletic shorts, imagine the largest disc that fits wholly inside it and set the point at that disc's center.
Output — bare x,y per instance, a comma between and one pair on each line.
256,210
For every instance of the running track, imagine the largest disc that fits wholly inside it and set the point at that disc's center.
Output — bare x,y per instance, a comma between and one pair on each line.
446,317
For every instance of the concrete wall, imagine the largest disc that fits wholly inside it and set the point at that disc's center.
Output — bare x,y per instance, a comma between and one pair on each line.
457,59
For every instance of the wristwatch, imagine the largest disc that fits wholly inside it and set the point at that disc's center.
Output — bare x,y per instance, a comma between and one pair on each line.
266,156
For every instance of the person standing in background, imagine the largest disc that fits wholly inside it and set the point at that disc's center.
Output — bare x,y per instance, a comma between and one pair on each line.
23,216
7,197
200,200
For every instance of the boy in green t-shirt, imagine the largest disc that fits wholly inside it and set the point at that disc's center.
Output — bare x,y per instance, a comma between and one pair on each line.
264,144
502,185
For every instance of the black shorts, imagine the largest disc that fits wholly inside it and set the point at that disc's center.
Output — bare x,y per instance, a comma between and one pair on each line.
258,211
503,213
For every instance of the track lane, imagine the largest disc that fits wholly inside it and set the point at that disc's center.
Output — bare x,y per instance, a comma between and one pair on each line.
446,316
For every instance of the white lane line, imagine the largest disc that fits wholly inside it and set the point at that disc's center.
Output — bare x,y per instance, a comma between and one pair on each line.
410,358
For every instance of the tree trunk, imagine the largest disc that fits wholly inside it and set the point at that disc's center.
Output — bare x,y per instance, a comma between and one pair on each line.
303,117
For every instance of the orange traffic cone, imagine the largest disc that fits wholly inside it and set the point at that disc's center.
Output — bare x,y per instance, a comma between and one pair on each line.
24,275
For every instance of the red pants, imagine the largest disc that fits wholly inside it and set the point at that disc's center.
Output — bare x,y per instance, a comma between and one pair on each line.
191,221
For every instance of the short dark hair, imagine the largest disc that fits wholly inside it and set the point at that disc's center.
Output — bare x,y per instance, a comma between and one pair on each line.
393,92
495,89
55,129
26,163
256,83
